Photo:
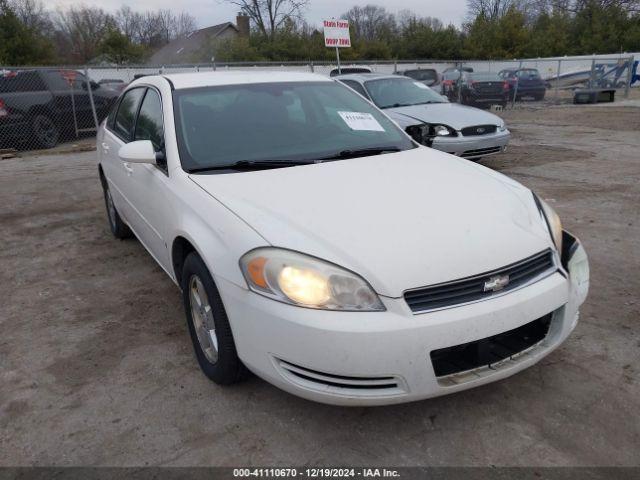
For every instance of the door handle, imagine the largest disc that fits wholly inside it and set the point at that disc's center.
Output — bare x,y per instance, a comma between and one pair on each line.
128,168
105,146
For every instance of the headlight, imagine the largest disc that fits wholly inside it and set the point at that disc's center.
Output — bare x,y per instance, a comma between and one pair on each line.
552,220
441,131
502,127
306,281
425,133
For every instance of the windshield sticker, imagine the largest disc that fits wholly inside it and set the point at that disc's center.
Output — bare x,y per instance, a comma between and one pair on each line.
421,85
361,121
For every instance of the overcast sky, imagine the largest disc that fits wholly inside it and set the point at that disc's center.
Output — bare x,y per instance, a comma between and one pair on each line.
211,12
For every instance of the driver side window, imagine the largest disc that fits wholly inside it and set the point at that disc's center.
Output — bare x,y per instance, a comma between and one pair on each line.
150,125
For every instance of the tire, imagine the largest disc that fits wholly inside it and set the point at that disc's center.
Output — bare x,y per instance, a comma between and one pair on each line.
209,326
45,131
118,228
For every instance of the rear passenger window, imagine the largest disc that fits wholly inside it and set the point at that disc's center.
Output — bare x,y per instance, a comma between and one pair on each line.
150,124
23,81
126,116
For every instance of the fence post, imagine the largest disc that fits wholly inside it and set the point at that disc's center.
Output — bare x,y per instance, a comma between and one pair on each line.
593,72
558,77
311,69
515,92
93,105
627,86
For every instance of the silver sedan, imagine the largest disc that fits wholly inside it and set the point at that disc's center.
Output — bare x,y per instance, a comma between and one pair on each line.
430,119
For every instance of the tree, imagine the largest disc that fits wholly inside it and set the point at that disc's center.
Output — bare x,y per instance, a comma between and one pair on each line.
269,15
371,23
20,45
119,49
84,29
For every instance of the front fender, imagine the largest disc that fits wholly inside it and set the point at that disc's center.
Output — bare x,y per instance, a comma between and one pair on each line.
218,235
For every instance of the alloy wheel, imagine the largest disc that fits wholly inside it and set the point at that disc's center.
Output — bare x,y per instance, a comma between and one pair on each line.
203,322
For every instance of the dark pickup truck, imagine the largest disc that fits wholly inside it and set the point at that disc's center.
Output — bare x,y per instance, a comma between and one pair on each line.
39,107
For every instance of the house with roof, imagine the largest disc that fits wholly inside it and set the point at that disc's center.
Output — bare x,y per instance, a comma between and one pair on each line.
184,50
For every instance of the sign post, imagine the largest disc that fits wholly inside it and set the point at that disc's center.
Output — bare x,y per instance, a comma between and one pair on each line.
336,35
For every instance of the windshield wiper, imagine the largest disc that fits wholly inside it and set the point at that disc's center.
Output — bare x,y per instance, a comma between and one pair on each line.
399,105
253,165
362,152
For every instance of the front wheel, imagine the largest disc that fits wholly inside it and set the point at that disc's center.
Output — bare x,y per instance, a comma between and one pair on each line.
209,326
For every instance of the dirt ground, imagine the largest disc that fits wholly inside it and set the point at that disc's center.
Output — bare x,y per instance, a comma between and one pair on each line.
96,366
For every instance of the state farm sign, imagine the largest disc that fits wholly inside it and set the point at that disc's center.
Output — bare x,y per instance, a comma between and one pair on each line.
336,34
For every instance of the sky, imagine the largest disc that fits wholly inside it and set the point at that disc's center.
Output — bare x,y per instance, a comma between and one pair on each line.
212,12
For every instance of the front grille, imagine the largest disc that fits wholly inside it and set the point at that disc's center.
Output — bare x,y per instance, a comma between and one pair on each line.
478,287
478,130
491,350
323,381
481,151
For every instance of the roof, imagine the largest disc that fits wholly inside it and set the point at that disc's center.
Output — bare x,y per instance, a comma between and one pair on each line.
238,77
181,49
363,77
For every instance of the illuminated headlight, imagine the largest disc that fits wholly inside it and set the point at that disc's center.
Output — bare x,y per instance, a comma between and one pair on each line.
552,220
441,131
306,281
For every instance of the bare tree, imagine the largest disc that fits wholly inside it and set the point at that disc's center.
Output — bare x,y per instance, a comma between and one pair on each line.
185,23
84,29
129,22
269,15
33,15
489,9
371,22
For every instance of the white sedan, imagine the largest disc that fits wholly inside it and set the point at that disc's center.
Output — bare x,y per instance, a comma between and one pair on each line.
320,247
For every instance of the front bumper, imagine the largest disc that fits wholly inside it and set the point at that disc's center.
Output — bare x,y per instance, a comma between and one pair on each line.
473,146
378,358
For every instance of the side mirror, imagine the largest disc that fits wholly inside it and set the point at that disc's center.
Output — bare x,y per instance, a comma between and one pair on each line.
140,151
445,98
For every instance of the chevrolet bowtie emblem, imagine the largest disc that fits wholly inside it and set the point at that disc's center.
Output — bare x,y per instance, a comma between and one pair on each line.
496,283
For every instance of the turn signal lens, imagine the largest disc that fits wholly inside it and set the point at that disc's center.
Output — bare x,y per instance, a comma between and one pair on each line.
255,270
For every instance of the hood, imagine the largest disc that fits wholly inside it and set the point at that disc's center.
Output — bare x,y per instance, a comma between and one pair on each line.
401,220
452,114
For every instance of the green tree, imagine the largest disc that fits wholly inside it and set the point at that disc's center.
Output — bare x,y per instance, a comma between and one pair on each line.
19,45
119,49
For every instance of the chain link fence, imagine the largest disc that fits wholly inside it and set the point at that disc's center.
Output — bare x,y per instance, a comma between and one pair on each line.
43,107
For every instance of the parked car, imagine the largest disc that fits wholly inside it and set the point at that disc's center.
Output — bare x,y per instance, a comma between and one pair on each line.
483,89
528,80
428,76
347,70
115,84
320,247
430,119
37,106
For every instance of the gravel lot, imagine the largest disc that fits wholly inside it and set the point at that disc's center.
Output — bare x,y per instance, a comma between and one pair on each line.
96,367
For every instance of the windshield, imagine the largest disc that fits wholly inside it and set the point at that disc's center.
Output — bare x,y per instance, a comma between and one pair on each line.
529,74
422,75
484,77
400,92
287,122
